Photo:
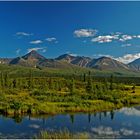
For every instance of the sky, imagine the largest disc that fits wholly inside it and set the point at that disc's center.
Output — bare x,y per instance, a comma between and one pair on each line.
91,29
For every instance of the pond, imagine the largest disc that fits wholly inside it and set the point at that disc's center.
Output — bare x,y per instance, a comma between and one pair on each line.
123,123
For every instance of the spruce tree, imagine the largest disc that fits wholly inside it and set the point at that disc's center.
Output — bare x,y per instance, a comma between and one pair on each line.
89,84
72,86
84,77
14,83
30,82
111,82
1,78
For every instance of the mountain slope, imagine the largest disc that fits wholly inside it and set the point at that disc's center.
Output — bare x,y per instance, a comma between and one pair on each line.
67,61
135,64
76,60
5,60
33,55
106,63
31,59
34,59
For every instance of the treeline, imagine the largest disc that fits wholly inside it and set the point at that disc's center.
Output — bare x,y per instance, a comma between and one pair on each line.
68,83
56,83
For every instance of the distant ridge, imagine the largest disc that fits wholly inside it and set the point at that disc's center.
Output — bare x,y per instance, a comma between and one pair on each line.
135,65
34,59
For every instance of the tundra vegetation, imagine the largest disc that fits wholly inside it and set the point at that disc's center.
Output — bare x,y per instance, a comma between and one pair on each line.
52,94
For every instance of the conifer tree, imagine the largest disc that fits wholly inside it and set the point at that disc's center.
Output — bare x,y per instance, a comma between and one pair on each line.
6,79
111,82
14,83
30,82
89,84
84,77
1,78
72,86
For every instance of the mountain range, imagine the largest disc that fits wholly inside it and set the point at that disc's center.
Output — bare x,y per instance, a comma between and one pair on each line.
34,59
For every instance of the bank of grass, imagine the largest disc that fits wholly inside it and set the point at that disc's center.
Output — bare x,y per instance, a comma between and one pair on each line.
21,102
62,134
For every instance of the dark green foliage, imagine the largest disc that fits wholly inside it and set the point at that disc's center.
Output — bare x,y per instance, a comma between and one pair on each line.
6,79
16,105
1,79
84,77
14,83
133,89
111,82
89,84
72,86
30,81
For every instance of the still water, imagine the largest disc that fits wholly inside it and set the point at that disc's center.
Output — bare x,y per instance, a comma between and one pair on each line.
123,123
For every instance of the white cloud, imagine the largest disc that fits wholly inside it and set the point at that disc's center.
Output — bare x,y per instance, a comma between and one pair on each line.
73,54
124,59
128,58
85,32
43,49
23,34
130,111
35,126
126,132
50,39
101,55
105,131
126,45
18,51
36,42
108,132
105,38
126,37
114,36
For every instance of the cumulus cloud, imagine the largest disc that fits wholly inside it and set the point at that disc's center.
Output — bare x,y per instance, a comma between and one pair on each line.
126,45
73,54
101,55
118,36
23,34
105,38
50,39
126,37
36,42
43,49
85,32
128,58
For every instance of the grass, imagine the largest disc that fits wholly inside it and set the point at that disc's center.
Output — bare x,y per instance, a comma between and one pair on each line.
65,134
59,94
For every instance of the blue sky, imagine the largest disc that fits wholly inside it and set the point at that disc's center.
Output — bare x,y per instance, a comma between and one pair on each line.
84,28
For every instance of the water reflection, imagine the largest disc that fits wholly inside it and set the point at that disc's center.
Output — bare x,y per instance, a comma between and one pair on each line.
72,118
123,123
19,118
89,117
112,113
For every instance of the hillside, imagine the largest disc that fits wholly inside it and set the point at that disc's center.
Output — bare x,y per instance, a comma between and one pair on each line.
135,65
73,64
